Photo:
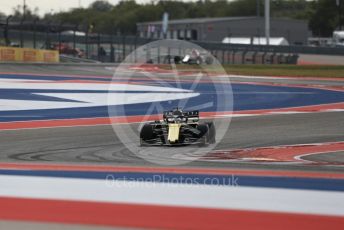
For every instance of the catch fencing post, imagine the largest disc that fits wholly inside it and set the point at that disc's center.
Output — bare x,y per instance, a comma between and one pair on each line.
135,47
86,42
99,54
223,56
158,54
7,40
34,32
59,36
74,37
47,38
112,48
21,32
124,51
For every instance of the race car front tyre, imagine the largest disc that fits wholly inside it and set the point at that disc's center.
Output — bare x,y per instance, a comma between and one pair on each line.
146,134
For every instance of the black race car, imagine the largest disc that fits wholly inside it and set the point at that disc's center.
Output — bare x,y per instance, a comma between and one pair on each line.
178,128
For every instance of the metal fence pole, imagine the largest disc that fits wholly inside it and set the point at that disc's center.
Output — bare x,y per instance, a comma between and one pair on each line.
124,44
112,48
135,47
99,54
59,36
86,43
233,56
169,55
7,40
243,57
74,37
223,56
21,32
158,54
34,32
47,39
148,56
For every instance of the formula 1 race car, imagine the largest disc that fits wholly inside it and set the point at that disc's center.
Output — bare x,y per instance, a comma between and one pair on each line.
195,57
178,128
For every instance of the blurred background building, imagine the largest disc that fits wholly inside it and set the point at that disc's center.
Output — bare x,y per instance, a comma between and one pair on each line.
217,29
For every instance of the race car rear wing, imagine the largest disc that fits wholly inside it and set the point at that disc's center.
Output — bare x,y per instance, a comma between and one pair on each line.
192,114
189,114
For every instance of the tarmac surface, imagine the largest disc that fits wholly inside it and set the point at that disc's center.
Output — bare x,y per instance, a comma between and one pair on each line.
100,145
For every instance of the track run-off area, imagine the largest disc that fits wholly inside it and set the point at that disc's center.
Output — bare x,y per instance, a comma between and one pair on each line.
278,165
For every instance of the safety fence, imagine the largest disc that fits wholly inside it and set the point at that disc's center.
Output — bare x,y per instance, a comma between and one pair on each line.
114,48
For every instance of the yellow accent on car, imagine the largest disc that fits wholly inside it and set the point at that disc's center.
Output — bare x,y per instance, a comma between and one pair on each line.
173,132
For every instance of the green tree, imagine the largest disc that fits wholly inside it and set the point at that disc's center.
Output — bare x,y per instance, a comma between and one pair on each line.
242,8
127,13
298,9
101,6
325,18
29,13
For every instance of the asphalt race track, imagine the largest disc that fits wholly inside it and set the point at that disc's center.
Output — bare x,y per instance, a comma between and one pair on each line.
98,144
70,155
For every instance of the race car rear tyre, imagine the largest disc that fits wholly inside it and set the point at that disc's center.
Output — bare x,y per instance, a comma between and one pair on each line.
203,136
143,143
209,60
211,133
177,60
199,61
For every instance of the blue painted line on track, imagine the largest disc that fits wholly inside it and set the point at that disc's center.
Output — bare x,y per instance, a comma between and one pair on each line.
245,97
220,180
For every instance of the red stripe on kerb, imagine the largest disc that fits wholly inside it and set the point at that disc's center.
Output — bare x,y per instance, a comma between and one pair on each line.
56,75
150,216
75,122
278,153
310,108
206,171
53,123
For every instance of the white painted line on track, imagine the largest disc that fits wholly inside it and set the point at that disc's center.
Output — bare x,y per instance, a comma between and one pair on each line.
150,193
